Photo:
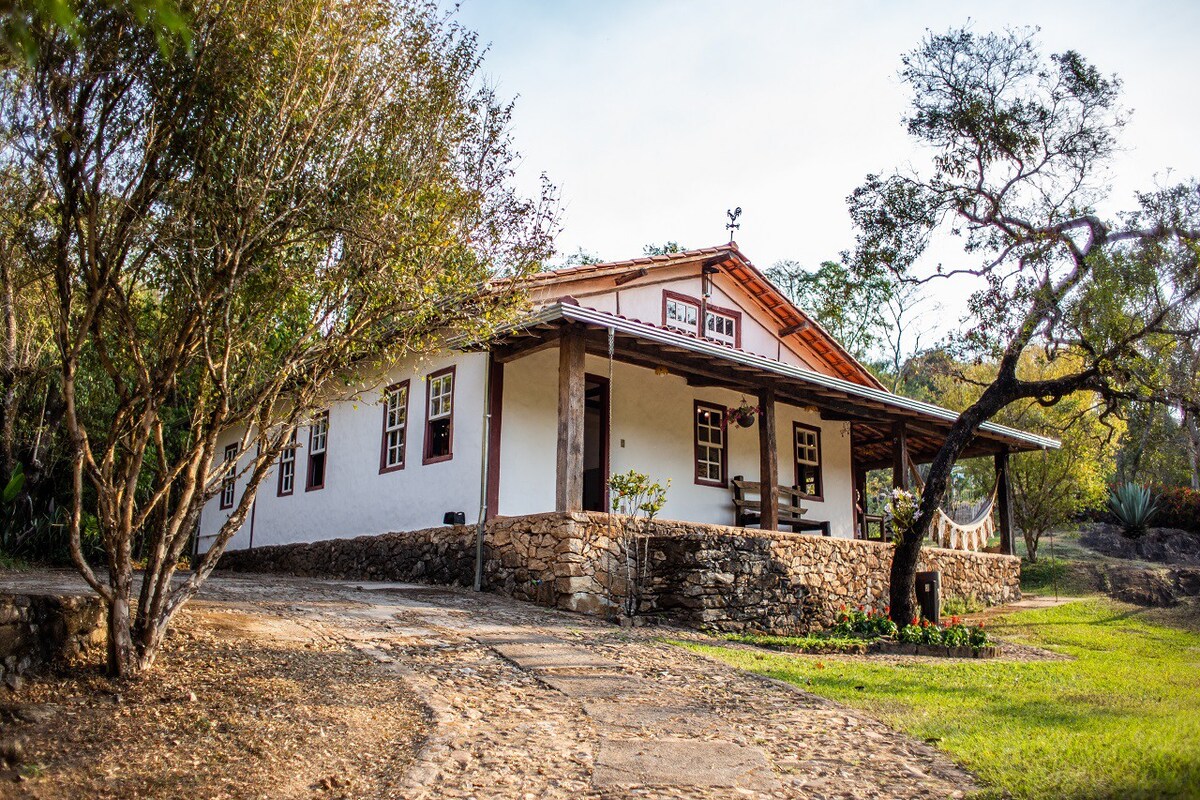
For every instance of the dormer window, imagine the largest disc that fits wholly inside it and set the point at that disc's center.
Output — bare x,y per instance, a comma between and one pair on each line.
699,318
681,313
721,326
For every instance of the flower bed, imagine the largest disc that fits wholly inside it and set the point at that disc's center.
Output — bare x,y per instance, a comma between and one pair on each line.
863,631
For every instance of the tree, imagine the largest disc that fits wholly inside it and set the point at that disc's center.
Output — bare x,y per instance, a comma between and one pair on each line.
665,249
239,233
851,310
1019,145
1052,486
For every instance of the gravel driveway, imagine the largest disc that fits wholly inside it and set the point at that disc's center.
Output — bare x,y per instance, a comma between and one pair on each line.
534,703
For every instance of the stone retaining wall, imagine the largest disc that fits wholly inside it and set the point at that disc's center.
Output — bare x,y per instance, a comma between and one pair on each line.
37,629
688,573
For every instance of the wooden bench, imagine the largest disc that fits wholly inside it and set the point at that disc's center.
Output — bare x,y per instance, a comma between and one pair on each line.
791,511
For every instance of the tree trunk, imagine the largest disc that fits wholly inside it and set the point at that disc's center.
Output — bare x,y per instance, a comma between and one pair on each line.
1031,544
907,552
123,661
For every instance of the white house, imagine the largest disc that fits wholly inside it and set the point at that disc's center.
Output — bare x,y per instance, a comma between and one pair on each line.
622,365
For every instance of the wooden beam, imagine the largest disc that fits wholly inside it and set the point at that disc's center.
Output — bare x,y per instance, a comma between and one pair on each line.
899,455
860,497
568,494
495,421
1004,505
632,275
768,460
527,347
796,328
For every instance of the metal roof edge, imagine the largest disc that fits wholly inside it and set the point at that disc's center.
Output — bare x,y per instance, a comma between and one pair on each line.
591,316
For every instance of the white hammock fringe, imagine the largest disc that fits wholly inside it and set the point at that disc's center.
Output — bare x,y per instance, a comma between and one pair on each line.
951,535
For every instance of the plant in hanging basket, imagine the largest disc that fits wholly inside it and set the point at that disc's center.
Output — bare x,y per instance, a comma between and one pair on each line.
743,414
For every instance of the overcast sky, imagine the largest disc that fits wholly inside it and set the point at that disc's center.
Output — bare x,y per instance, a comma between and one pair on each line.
653,118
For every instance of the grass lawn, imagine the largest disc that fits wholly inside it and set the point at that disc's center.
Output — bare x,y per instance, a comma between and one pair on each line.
1121,720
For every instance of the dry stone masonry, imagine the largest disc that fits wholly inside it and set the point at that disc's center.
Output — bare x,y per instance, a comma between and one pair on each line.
729,579
38,629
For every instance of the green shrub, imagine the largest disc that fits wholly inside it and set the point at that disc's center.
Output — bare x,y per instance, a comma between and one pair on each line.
1134,506
957,605
911,634
930,634
956,634
864,622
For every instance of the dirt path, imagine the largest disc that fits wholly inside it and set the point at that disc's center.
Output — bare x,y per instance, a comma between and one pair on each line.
532,703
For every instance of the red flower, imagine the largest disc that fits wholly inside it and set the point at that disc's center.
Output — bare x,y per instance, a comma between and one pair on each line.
914,621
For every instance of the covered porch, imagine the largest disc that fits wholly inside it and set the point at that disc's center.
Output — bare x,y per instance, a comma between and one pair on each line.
884,430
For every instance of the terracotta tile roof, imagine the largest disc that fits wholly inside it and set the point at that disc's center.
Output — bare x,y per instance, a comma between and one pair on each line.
752,279
606,267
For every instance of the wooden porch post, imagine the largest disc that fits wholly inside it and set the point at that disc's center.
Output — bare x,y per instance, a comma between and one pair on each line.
1004,505
768,460
899,456
569,485
860,500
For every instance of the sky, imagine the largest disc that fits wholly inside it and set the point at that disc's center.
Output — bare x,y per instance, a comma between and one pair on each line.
653,117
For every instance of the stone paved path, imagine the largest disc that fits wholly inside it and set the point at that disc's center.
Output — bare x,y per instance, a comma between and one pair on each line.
533,703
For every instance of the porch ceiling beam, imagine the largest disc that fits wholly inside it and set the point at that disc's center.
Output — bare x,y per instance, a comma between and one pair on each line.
527,347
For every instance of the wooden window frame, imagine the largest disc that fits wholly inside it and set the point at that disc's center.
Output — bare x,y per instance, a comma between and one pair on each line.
820,495
702,308
426,458
287,451
698,405
309,486
732,313
384,466
682,298
229,481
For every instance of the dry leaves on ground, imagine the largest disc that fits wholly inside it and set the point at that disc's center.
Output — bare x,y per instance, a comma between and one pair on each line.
237,706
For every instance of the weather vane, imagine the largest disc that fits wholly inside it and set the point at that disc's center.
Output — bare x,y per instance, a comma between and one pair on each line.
733,224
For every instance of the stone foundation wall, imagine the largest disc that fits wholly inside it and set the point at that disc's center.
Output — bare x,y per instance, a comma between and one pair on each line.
46,629
692,574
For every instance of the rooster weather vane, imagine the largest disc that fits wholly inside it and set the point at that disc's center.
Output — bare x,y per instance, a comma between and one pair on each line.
733,224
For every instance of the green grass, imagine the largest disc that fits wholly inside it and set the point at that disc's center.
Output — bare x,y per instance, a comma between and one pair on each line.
1121,720
813,643
12,563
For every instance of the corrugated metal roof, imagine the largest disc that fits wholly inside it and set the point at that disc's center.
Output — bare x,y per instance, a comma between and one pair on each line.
590,316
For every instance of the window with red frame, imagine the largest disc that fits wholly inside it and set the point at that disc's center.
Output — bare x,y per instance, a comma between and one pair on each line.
229,482
395,428
287,468
807,442
439,416
318,455
712,451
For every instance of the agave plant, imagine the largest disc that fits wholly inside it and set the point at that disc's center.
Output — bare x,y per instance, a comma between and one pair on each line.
1133,505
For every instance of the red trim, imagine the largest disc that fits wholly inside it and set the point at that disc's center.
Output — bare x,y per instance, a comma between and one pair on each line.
383,437
820,495
684,298
309,486
728,312
229,479
720,412
426,458
496,410
605,433
279,492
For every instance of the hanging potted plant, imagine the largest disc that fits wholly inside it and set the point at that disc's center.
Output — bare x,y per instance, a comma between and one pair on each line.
742,414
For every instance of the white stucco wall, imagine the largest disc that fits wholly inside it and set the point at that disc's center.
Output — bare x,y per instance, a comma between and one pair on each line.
652,433
357,499
645,302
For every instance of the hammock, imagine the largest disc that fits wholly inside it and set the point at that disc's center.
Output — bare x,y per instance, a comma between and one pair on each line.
952,535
